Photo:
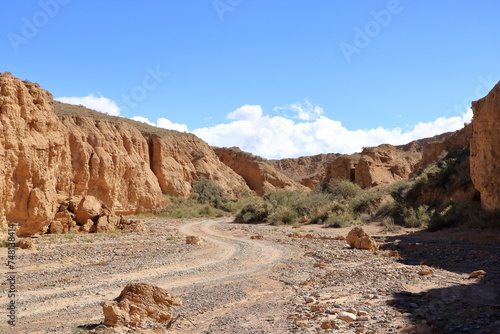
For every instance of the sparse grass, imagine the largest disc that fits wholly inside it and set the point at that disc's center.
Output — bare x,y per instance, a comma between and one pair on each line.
89,240
3,243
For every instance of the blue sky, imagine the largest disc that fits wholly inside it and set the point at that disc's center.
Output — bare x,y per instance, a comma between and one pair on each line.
279,78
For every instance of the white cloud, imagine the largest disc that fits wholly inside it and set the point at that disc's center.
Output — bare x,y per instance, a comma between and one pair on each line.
101,104
304,111
143,120
280,137
169,125
246,112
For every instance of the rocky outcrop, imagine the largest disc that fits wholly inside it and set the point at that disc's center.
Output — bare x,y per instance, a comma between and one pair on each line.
139,303
110,160
384,165
436,146
35,158
485,148
50,151
344,167
260,176
308,170
88,214
179,159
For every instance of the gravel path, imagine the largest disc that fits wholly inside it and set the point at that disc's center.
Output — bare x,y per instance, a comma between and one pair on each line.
260,279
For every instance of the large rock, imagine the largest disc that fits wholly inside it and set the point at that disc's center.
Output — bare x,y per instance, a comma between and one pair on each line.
139,303
384,165
485,148
358,238
260,176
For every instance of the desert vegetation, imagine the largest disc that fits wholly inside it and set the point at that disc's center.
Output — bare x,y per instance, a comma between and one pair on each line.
426,200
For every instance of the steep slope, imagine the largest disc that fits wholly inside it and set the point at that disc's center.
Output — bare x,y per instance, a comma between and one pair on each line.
485,148
35,160
258,174
308,170
50,151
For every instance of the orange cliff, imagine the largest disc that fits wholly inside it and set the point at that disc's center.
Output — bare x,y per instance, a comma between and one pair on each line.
47,156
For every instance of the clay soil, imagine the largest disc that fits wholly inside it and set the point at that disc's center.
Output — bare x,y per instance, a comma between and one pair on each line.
283,280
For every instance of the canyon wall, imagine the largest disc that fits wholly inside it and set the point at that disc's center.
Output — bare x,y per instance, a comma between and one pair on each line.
50,151
260,176
485,148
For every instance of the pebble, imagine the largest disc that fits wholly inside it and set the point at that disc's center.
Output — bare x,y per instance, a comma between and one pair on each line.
346,316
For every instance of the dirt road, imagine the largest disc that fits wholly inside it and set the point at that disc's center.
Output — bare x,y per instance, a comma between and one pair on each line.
290,281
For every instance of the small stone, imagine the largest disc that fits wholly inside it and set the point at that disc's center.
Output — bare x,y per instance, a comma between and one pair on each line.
310,299
318,308
300,323
364,318
194,240
413,305
425,271
352,310
477,274
362,313
328,324
346,316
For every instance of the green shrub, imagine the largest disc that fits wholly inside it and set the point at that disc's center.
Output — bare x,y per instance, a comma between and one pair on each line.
283,215
469,214
338,221
342,189
255,211
418,217
206,191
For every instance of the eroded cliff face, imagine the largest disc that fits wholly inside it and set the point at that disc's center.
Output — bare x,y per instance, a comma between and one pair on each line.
35,167
110,160
260,176
50,151
384,165
179,159
485,148
308,170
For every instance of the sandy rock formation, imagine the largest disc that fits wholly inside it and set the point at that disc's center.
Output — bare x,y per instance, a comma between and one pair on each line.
485,148
35,168
88,214
138,303
343,167
110,160
358,238
384,165
443,143
178,159
260,176
308,171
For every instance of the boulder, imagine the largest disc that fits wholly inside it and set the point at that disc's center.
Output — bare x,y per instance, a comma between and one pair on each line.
358,238
139,303
88,208
25,243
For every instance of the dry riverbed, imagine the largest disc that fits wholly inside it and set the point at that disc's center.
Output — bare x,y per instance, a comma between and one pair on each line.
263,279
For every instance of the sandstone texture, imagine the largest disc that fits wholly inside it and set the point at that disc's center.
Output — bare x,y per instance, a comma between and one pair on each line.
308,170
384,165
35,158
139,303
485,148
260,176
358,238
343,167
88,214
51,151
